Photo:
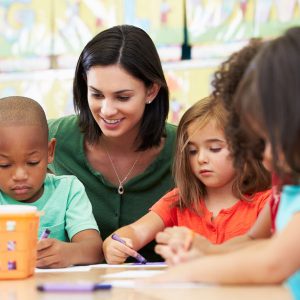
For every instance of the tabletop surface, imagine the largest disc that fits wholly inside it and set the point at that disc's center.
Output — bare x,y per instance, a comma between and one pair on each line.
25,289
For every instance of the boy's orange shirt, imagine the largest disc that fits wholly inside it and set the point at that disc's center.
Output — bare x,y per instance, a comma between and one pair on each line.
229,223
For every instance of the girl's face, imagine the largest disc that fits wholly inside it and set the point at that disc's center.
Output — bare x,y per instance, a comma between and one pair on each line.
268,160
209,155
257,129
117,100
267,156
24,157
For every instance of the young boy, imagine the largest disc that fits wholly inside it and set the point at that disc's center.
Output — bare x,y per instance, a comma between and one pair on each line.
25,153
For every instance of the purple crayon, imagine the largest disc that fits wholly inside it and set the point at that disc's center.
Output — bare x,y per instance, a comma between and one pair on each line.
45,234
138,256
72,287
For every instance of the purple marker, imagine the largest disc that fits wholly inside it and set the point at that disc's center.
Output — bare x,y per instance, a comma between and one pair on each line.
72,287
45,234
138,256
157,263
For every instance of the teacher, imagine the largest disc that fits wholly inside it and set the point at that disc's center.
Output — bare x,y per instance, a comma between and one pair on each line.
118,144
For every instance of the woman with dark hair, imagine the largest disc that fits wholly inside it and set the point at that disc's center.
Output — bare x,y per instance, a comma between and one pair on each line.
118,143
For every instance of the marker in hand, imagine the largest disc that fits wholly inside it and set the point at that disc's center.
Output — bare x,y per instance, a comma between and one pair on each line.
138,257
45,234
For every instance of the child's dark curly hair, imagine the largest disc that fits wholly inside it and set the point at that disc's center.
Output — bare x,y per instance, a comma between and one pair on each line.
231,71
225,83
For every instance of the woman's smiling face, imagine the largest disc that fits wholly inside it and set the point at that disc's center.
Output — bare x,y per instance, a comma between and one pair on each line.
117,100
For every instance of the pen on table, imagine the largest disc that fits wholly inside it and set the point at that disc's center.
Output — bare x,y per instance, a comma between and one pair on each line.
138,257
45,234
72,287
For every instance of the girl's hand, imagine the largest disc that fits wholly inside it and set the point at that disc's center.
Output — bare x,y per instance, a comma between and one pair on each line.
174,241
180,244
116,252
176,237
52,253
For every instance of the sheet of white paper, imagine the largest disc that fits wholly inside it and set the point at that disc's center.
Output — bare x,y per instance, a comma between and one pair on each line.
133,274
61,270
132,284
127,284
131,265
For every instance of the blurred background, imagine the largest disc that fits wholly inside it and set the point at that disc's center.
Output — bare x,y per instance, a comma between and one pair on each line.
40,41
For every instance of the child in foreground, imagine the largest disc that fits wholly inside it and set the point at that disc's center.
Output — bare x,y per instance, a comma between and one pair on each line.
211,198
25,153
271,112
171,241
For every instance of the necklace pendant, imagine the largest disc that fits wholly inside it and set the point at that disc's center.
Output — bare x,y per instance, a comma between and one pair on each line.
121,189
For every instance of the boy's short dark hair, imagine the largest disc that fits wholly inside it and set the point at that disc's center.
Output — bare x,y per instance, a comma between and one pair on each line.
18,110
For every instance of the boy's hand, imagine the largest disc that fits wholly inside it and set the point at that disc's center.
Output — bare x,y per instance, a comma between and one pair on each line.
116,252
52,253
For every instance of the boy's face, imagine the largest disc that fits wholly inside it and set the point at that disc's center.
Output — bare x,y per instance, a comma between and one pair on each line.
24,156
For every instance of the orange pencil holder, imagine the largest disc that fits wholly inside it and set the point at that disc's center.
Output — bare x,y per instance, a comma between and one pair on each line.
18,240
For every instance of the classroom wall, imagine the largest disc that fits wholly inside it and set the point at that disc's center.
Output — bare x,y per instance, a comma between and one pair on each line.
40,41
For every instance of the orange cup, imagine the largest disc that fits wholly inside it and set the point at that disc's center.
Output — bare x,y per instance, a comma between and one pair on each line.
18,240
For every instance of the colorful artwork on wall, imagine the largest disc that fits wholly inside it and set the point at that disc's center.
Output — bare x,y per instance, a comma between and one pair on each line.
227,21
40,41
25,28
76,22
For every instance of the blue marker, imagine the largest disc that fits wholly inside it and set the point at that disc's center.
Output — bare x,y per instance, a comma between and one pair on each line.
138,257
45,234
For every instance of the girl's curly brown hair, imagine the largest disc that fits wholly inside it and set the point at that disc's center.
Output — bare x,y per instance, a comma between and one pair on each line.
231,71
225,83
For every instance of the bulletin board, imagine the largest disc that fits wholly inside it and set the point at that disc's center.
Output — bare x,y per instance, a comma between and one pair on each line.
76,22
25,28
225,21
40,41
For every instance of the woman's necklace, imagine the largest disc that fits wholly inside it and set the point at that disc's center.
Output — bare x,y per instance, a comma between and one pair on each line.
121,182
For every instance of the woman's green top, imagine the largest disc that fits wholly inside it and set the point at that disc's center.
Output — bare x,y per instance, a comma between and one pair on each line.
112,210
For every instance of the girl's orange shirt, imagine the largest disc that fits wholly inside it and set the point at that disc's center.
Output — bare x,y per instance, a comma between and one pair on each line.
229,223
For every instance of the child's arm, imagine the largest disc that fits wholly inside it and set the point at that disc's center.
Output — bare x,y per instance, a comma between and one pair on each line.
136,235
270,261
80,225
171,241
85,248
